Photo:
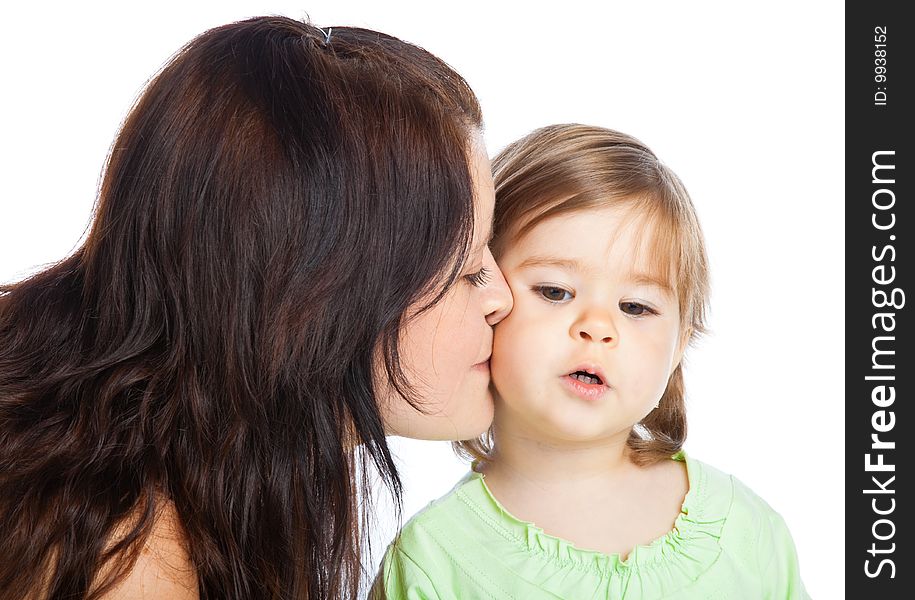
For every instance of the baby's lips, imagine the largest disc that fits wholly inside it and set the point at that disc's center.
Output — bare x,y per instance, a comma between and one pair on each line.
592,369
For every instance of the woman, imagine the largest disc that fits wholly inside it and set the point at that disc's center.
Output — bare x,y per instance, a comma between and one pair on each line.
288,262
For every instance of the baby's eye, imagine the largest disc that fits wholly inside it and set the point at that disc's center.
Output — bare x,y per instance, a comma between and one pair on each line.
552,293
636,309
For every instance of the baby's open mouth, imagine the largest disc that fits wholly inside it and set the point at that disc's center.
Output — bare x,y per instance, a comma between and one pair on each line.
584,377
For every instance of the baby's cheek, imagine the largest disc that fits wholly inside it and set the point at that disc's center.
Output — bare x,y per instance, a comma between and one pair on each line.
653,382
510,342
505,362
502,337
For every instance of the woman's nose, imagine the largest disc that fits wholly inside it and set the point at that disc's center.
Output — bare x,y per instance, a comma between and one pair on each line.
497,301
595,326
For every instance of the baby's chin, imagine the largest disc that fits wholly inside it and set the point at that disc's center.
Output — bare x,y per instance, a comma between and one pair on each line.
577,434
558,426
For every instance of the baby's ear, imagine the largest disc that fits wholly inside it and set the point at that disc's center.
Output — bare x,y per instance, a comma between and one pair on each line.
685,336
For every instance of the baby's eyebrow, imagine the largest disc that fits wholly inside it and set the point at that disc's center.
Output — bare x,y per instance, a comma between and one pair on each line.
550,261
573,265
646,279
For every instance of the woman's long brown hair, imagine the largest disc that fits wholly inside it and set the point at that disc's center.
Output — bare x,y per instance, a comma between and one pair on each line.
273,204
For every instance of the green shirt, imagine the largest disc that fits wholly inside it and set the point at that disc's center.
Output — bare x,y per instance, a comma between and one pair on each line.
726,543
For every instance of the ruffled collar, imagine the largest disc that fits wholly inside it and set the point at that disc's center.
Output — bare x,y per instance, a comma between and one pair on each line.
689,549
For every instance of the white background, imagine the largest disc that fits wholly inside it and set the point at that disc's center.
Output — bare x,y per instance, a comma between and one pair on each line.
744,102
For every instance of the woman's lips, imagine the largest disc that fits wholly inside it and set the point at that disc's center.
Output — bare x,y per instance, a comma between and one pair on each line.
482,366
587,391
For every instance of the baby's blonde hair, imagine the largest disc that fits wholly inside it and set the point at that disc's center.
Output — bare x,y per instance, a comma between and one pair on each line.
562,169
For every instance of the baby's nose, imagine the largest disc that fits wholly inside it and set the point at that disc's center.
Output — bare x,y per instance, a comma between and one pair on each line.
589,337
596,326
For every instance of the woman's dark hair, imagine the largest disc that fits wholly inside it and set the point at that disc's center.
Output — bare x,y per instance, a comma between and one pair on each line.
273,204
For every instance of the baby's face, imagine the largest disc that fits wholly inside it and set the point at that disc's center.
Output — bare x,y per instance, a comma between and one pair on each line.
583,303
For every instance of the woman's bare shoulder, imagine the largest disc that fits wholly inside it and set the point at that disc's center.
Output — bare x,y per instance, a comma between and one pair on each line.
163,568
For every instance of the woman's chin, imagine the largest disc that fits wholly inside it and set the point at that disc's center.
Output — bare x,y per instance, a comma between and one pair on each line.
481,420
471,420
